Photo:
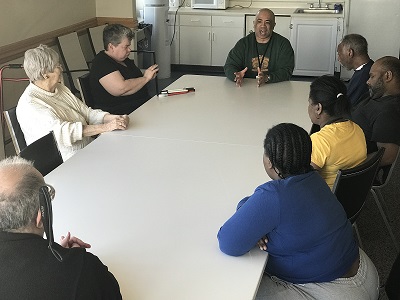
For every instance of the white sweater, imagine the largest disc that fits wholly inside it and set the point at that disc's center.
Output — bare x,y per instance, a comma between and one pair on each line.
39,112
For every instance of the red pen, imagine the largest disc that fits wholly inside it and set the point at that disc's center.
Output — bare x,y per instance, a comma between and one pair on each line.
176,91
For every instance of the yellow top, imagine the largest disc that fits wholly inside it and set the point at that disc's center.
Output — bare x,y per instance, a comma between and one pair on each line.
338,146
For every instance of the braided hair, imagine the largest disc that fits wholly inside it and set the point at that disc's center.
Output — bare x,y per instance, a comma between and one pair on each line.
288,147
331,93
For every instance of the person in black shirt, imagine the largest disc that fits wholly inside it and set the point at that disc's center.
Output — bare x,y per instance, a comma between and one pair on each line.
353,55
29,267
118,86
379,114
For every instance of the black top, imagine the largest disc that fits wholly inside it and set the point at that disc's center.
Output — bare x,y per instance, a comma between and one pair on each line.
380,120
103,65
357,87
28,270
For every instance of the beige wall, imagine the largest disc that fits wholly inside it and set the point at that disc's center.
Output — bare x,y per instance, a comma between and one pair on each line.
116,8
22,19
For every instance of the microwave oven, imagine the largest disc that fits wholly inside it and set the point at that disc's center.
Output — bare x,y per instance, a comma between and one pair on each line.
210,4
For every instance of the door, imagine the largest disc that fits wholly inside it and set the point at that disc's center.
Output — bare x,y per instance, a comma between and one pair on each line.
314,43
195,45
223,40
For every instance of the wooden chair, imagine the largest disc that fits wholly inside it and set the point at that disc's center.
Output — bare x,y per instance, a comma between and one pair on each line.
44,153
17,136
352,186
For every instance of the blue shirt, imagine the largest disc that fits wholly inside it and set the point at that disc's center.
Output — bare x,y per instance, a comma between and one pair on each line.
309,236
357,86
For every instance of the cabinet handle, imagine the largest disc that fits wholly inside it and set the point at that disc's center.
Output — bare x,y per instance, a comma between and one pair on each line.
230,21
213,37
209,36
194,20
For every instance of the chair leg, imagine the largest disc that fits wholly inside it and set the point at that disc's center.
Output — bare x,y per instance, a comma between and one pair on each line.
383,203
358,235
385,220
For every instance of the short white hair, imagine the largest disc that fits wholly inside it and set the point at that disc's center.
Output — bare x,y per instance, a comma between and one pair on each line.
39,61
19,206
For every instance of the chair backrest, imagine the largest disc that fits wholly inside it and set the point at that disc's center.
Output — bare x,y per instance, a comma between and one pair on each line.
352,186
44,153
383,179
72,57
84,87
14,128
95,35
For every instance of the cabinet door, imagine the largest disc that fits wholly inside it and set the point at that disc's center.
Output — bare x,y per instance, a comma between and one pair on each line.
283,26
195,45
223,40
314,44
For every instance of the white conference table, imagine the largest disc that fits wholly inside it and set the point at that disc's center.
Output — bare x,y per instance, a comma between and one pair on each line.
151,199
220,112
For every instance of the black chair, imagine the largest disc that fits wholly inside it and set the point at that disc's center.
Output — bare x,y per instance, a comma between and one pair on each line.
352,186
17,136
84,87
44,153
392,286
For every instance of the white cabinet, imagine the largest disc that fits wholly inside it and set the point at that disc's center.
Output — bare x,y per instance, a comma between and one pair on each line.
282,25
206,40
226,31
314,41
195,40
173,35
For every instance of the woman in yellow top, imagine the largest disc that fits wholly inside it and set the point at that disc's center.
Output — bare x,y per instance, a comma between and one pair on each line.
340,143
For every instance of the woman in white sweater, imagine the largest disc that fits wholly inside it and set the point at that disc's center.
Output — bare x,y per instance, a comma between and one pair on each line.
47,104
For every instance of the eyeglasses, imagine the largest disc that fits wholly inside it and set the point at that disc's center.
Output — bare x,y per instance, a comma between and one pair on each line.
51,190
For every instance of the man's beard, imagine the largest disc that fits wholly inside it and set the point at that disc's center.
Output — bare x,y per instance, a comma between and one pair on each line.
377,90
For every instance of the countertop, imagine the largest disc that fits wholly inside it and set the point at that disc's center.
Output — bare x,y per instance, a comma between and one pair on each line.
238,11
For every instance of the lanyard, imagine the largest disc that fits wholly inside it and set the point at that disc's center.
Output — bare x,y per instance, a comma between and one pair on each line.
260,62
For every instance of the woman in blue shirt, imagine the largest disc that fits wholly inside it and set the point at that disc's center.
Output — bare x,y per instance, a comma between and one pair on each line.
304,228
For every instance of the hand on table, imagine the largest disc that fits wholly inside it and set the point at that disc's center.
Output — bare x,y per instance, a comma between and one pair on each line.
239,77
260,77
120,122
69,241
